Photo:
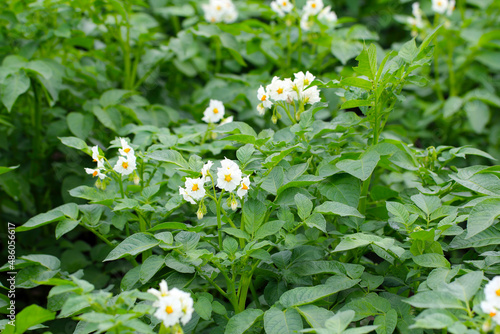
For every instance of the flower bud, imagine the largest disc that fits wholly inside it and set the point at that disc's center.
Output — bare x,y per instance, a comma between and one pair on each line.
137,179
214,135
199,213
274,119
98,184
486,326
234,204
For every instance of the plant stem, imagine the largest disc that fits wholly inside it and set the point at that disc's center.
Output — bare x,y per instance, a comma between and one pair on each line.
218,55
219,220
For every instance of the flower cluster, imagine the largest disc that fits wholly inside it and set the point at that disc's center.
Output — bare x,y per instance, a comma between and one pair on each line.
491,305
416,20
315,8
125,165
229,178
443,6
215,112
220,11
174,306
280,91
312,9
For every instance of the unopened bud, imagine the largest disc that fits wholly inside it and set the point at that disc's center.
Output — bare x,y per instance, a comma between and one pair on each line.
274,119
234,204
199,214
486,326
98,184
214,135
137,179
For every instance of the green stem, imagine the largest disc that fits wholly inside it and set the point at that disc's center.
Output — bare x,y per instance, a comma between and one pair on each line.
164,330
219,220
436,64
99,235
218,56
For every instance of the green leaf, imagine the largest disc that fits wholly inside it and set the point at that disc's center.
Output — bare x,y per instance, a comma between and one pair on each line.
203,307
386,322
435,319
336,208
133,245
357,82
169,156
304,206
452,106
253,215
240,322
409,51
314,315
150,267
73,142
113,97
31,316
282,322
428,204
12,87
306,295
339,322
428,40
344,50
65,226
482,216
356,103
268,229
431,260
170,226
478,114
465,287
236,233
361,168
79,124
41,219
4,170
367,62
274,180
435,299
236,127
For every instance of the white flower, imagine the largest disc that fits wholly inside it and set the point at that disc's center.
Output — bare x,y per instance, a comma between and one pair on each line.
95,156
220,11
186,304
228,175
305,23
214,112
227,120
327,15
263,97
195,188
281,7
303,80
125,166
169,310
416,20
163,292
492,291
278,89
451,8
126,150
95,172
440,6
206,169
311,95
261,109
244,186
186,196
313,7
489,308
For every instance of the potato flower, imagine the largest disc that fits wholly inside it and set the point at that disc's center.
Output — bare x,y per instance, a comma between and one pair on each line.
97,157
220,11
125,165
214,112
195,188
278,89
95,172
281,7
313,7
440,6
244,186
126,150
174,305
186,196
205,170
327,15
228,175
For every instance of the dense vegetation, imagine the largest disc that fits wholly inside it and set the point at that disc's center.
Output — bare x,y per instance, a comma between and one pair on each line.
234,167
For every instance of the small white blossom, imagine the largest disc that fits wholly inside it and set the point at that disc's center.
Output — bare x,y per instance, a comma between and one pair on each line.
227,120
234,204
488,308
492,291
186,304
169,310
199,214
451,8
220,11
126,150
303,80
125,166
313,7
244,186
311,95
263,97
305,22
440,6
186,196
163,292
278,89
174,305
261,109
281,7
327,15
228,175
95,172
206,169
214,112
96,157
195,188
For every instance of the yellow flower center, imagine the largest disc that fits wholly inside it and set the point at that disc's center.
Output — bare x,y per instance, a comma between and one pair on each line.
284,3
263,98
212,19
219,7
125,165
492,314
228,178
216,111
313,5
440,3
126,150
94,174
244,187
306,82
280,90
498,292
169,309
195,187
